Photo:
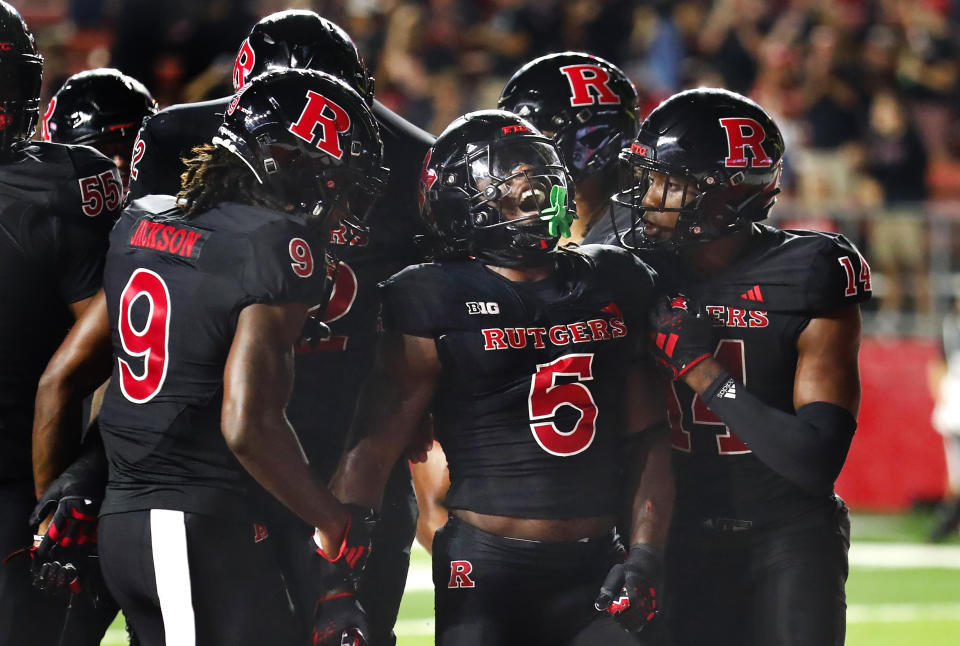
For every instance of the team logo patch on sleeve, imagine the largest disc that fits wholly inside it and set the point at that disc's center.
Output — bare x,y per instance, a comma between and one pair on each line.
176,240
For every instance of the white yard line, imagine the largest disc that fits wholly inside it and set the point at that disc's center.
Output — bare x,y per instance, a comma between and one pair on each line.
862,613
904,555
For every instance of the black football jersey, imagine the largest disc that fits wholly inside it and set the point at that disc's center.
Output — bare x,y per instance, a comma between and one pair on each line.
165,139
759,306
529,405
610,228
329,371
174,289
57,204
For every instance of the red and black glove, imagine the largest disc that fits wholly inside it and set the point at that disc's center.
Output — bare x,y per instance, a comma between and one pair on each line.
74,523
339,620
355,546
681,339
630,589
65,558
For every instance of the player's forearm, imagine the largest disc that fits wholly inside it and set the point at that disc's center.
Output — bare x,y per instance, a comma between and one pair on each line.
808,447
56,433
363,472
651,488
388,418
270,452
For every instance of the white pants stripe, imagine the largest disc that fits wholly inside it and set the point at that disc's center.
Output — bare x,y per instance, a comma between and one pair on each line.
172,571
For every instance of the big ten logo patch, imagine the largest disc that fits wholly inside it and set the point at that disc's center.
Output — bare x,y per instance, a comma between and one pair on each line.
460,575
476,307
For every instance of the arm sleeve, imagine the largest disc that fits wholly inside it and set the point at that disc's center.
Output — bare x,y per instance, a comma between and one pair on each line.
808,448
411,302
153,170
83,248
286,264
839,276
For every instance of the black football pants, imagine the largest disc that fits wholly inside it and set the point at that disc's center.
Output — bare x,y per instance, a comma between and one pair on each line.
495,591
385,576
187,579
777,586
27,616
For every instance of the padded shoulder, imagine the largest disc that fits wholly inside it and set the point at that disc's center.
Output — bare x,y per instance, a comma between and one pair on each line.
416,299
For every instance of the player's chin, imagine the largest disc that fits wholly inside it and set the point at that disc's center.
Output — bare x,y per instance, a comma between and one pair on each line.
657,232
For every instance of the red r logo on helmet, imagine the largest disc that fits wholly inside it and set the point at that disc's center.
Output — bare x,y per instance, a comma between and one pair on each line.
243,64
428,177
741,133
331,117
45,127
584,77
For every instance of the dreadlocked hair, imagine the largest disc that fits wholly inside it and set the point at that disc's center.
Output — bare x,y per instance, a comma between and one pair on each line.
216,175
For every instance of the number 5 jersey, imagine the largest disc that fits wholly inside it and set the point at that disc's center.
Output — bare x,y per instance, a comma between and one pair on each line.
529,404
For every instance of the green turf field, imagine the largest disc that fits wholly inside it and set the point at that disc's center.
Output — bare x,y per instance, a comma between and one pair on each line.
900,591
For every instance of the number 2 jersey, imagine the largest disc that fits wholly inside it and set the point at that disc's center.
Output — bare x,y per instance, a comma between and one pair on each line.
529,404
175,288
57,204
759,306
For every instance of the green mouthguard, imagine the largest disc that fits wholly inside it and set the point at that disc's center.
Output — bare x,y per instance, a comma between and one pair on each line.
556,214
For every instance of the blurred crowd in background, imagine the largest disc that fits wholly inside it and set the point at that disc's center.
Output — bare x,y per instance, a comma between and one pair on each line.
865,91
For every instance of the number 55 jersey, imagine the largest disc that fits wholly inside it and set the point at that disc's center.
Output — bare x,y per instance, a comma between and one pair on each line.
175,288
759,306
529,404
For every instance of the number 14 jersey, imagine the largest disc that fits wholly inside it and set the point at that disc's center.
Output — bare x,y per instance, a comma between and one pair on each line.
175,288
759,306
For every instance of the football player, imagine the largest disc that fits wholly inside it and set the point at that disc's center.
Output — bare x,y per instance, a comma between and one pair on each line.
333,362
58,203
204,296
527,355
587,106
763,347
102,108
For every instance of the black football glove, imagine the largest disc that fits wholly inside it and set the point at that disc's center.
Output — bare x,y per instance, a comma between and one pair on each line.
339,620
681,339
355,546
74,523
631,587
80,575
65,560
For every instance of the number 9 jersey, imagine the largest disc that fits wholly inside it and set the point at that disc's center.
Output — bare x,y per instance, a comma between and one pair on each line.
174,290
529,404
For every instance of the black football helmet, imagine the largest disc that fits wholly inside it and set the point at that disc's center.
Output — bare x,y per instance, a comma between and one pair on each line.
494,187
21,70
722,143
587,104
96,107
310,140
302,39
